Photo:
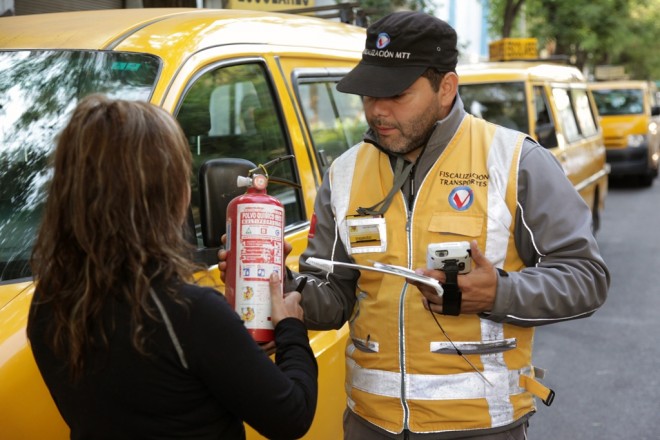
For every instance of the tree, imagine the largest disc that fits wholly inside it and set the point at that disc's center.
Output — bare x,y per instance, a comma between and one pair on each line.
586,32
582,30
638,42
508,11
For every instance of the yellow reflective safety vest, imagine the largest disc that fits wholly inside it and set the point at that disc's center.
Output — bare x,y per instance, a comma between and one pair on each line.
402,372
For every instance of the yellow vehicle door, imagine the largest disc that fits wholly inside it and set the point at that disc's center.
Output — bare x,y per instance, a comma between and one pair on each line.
242,84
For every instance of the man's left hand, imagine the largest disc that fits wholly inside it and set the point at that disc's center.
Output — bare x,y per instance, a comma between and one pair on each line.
478,287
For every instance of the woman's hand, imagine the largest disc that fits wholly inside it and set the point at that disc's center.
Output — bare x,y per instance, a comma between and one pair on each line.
283,305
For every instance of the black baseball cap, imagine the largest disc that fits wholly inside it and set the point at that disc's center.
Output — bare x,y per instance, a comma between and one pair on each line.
398,49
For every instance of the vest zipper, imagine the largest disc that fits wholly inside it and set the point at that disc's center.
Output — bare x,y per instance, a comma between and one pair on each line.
402,356
411,193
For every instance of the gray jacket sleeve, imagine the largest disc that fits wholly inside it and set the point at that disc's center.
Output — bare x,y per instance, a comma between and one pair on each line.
328,299
566,277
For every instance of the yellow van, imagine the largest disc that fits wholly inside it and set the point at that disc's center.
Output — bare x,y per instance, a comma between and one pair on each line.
242,84
552,104
630,116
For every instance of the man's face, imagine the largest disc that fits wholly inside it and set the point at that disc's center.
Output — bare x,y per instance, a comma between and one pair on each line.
402,123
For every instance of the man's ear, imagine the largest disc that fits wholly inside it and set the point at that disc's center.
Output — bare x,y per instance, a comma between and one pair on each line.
448,89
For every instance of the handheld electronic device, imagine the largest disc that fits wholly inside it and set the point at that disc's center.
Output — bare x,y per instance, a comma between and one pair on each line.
449,256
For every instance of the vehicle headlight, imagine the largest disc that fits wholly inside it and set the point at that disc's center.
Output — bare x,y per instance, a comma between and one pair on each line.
636,140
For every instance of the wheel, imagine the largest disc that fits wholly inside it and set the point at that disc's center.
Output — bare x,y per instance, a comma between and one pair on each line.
646,179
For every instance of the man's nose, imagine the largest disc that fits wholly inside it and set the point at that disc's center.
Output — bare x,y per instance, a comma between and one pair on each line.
378,106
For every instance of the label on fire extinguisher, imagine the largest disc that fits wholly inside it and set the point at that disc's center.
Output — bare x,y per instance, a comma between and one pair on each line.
259,251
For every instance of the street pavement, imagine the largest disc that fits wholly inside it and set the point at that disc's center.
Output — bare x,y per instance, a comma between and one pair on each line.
604,369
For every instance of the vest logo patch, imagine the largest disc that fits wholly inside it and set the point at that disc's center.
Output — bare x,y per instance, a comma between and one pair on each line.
461,198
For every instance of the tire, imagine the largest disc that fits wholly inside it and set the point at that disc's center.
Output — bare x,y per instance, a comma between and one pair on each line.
646,180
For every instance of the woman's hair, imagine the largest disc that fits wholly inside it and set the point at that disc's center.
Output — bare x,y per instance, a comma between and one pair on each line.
113,221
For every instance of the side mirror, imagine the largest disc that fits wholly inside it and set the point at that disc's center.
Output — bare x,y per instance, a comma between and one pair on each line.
217,187
655,110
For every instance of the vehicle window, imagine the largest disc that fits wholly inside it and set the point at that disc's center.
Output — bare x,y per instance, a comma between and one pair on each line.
585,116
545,130
38,90
619,101
230,111
501,103
653,97
566,115
335,120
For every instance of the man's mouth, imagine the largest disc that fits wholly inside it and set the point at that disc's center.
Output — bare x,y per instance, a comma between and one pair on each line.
385,129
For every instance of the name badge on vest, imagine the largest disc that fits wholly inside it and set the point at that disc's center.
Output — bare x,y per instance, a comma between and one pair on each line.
366,233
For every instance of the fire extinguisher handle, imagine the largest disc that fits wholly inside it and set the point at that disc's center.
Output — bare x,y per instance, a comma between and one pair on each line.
301,284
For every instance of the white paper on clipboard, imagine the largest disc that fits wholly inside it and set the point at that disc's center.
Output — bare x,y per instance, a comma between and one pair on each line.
328,266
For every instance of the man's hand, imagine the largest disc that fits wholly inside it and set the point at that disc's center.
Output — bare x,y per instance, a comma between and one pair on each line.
478,287
222,258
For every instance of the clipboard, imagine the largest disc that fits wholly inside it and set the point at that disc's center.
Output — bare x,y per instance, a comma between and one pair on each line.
328,266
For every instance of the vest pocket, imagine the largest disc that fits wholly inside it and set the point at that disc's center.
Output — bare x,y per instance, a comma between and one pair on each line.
365,345
456,223
474,347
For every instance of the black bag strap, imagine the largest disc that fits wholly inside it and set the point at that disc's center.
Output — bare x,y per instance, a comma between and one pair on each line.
452,296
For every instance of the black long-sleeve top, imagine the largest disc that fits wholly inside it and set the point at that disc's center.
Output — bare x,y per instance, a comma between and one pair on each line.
229,379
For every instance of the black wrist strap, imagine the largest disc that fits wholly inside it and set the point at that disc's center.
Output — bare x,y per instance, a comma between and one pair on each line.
451,298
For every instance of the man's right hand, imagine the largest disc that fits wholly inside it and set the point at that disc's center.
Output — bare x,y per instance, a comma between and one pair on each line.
222,258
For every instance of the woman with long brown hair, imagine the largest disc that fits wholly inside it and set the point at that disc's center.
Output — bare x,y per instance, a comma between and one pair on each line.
128,346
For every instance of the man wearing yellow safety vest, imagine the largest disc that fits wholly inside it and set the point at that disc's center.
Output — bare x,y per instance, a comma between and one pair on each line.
458,365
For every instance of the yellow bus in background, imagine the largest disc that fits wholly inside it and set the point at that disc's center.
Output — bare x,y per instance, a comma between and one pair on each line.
551,103
630,116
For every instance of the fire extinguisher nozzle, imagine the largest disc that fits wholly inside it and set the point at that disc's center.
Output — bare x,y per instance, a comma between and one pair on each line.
242,181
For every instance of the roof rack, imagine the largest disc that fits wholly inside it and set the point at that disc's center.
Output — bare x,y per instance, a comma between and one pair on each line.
350,13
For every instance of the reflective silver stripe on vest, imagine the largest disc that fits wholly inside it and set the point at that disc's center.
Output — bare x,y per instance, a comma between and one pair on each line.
499,216
500,158
433,386
341,180
476,347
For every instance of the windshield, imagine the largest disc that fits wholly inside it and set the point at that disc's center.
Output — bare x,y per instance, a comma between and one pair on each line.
619,101
38,90
501,103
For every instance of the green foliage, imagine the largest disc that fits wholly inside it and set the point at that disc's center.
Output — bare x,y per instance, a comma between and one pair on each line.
581,29
639,53
590,32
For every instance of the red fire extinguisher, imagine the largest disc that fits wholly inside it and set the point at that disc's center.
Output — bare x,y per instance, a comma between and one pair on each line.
255,249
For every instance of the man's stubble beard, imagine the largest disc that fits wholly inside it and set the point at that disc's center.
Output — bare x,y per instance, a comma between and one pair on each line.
411,135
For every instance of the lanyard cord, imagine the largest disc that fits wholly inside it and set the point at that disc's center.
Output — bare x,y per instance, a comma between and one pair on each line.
458,352
400,175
